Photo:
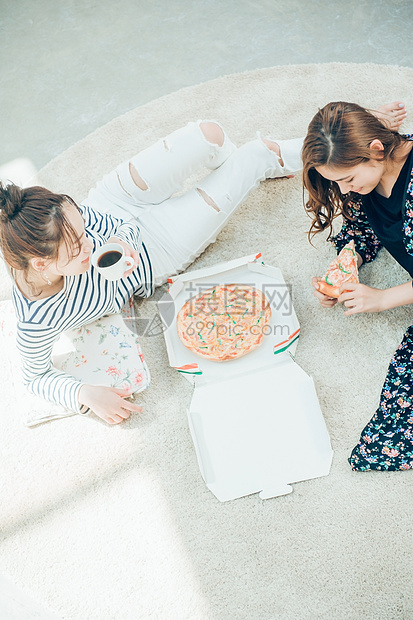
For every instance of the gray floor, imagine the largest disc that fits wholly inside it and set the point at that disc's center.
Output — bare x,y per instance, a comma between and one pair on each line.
70,66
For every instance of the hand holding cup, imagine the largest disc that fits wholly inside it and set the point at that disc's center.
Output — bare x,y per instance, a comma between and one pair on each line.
111,261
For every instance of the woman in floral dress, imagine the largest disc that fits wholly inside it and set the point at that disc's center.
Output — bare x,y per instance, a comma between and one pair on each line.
355,166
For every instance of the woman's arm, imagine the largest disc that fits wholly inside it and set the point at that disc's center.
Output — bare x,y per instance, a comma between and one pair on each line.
35,344
361,298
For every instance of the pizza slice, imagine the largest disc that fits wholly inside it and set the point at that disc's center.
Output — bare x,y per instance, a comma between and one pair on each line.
342,269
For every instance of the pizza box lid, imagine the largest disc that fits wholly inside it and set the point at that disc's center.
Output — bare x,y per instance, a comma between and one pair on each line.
259,433
255,421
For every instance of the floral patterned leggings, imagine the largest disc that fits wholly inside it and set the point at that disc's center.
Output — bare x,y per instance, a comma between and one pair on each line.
386,443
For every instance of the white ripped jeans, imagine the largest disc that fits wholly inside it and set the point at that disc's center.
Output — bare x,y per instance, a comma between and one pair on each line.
177,229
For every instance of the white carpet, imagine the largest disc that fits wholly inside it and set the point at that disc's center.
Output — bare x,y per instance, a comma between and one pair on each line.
116,522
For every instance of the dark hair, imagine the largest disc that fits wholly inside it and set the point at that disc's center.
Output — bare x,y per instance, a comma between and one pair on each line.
33,223
339,135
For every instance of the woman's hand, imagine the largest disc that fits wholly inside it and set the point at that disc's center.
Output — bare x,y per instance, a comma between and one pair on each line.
108,403
325,301
361,298
129,251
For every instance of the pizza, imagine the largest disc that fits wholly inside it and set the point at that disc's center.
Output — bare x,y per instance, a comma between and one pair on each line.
342,269
224,322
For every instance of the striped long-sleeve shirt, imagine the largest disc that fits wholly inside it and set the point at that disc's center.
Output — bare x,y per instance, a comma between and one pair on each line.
83,299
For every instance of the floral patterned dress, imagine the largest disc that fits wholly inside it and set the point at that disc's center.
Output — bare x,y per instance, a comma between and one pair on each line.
386,443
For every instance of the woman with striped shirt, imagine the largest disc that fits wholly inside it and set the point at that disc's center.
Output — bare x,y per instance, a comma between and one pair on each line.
46,240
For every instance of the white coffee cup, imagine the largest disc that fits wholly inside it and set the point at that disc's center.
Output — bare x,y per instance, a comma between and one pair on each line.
110,261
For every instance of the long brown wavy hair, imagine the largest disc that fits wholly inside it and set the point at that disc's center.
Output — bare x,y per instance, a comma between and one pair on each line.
33,223
339,136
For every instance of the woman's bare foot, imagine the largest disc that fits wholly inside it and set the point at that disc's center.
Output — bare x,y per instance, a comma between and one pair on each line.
392,114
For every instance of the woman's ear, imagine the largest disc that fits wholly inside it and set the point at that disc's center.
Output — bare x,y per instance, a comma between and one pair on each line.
376,145
38,264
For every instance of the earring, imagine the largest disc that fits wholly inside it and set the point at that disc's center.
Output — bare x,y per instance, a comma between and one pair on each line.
46,277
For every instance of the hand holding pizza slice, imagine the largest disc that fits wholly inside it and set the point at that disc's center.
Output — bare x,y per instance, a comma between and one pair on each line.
342,269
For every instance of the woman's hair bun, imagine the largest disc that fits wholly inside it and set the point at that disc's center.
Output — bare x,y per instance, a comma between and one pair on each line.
10,200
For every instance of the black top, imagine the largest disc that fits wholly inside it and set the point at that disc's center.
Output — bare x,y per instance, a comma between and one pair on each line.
385,216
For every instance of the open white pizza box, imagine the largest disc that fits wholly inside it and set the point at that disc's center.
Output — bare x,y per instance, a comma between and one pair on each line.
255,421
